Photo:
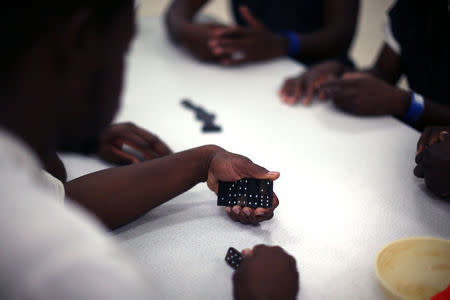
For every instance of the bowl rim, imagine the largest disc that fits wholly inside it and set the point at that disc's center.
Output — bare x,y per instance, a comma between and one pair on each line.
377,271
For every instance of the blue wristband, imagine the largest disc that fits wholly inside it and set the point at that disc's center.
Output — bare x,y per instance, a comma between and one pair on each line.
415,109
295,44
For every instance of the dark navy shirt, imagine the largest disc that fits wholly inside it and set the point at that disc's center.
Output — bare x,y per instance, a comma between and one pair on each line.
300,16
422,28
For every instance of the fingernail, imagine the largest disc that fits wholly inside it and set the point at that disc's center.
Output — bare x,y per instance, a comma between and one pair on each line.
259,212
246,252
237,209
273,173
247,212
228,209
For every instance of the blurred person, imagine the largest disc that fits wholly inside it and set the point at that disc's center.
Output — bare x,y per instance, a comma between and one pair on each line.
309,31
417,45
62,66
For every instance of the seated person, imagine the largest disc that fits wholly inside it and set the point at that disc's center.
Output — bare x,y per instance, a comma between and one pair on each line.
62,69
310,31
433,160
417,45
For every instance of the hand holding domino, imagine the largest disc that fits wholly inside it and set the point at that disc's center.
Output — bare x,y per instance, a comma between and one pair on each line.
226,169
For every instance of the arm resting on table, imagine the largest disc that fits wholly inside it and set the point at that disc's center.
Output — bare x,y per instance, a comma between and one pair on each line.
120,195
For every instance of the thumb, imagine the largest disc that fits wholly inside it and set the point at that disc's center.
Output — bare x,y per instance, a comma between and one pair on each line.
246,253
251,170
249,18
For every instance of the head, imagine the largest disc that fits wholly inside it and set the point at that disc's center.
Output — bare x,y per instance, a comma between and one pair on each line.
64,62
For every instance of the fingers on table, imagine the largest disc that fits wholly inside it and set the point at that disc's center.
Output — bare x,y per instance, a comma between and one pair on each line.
291,90
430,136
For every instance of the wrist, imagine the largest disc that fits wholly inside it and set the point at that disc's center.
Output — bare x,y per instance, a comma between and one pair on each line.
415,109
403,103
209,151
181,30
293,43
283,45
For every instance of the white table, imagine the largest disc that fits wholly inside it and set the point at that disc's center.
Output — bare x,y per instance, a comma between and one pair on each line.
346,186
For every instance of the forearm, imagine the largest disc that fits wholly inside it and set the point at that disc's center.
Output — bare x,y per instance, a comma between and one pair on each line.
180,15
434,114
325,44
387,66
334,39
120,195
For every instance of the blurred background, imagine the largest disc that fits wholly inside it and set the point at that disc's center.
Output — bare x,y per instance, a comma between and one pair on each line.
365,47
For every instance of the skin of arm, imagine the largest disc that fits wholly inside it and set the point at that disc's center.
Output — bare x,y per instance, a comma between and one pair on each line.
120,195
388,68
145,186
334,39
179,17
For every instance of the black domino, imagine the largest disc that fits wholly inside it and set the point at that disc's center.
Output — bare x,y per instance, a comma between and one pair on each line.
203,116
248,192
233,258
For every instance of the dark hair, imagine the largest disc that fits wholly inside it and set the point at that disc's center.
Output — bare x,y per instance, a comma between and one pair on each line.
23,23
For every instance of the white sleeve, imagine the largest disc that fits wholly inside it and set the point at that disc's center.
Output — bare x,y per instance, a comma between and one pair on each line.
55,185
390,40
49,251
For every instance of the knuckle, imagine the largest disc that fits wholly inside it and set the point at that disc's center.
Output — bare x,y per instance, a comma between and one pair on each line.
278,249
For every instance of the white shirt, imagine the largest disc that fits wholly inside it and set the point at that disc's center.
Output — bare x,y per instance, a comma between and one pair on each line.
54,251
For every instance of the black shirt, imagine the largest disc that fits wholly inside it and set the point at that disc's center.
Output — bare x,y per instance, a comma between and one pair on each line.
300,16
281,15
422,28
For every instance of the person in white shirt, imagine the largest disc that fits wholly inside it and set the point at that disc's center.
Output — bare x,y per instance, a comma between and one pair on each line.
62,65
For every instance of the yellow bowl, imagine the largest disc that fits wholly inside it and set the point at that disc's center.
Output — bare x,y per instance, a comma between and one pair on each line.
414,268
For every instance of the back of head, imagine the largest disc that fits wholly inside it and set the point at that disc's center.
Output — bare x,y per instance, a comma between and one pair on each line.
23,23
64,59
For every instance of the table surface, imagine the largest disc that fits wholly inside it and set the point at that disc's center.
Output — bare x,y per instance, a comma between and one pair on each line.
346,187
